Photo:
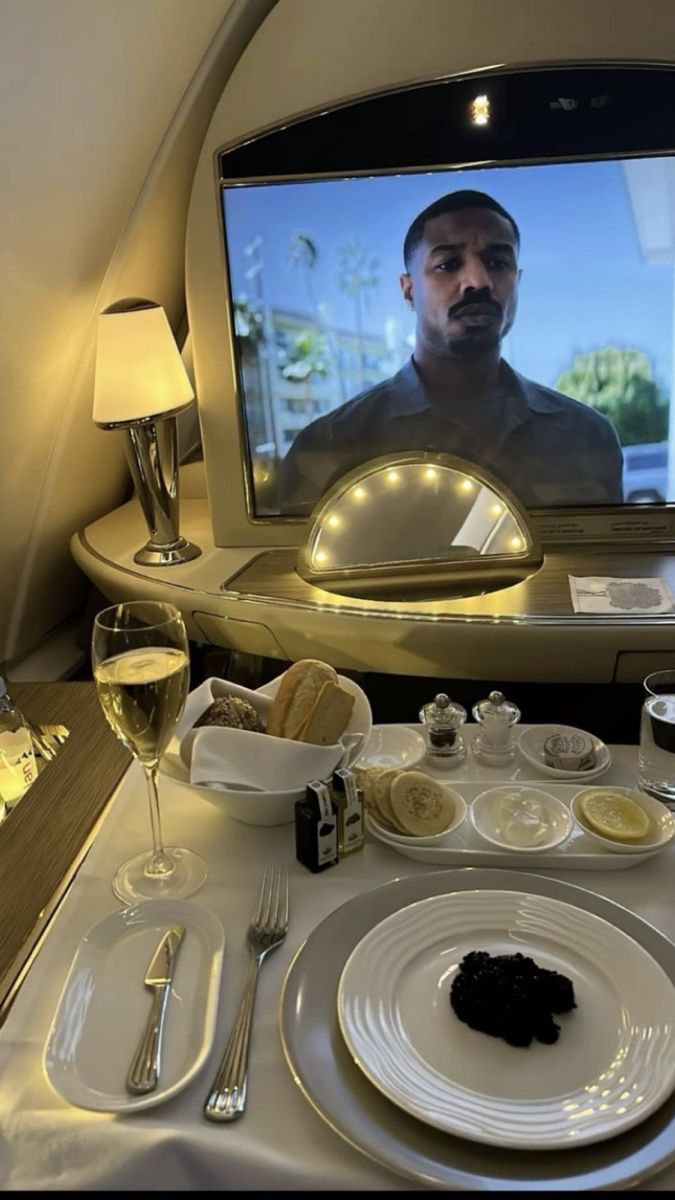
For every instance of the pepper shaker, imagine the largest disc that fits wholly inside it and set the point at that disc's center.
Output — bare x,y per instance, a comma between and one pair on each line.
495,744
442,719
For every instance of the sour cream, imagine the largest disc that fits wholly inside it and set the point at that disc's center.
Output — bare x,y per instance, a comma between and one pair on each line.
523,820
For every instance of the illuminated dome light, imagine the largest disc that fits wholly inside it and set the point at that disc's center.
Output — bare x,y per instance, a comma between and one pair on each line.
480,110
447,527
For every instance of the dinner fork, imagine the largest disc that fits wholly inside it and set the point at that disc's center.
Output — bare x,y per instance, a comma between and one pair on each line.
269,924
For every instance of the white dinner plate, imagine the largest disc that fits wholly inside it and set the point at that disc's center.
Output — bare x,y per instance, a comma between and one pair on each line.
369,1122
531,745
613,1063
104,1005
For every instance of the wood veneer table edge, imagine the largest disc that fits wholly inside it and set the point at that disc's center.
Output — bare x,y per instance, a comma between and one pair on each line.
39,865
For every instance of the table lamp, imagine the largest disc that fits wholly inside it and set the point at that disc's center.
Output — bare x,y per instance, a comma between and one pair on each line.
141,385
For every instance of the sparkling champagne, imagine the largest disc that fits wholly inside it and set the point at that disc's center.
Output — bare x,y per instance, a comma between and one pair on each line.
142,693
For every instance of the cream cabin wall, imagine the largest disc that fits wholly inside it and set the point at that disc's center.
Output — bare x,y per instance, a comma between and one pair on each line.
88,90
104,105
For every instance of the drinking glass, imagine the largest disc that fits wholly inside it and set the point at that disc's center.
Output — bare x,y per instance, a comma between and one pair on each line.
657,737
141,664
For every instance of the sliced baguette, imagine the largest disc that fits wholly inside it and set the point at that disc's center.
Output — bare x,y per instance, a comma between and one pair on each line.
296,696
329,716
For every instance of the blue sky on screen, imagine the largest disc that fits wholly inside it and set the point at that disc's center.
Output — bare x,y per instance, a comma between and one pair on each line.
585,283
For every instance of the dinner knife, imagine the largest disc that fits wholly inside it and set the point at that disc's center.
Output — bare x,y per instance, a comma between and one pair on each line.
143,1073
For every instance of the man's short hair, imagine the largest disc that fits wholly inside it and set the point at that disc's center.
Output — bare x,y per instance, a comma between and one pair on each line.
452,202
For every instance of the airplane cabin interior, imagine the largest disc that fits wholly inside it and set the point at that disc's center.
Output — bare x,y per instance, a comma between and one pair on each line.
343,333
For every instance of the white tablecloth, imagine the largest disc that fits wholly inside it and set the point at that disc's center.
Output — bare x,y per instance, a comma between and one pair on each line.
280,1143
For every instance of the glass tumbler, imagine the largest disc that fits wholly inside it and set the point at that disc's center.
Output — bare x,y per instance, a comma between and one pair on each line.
656,771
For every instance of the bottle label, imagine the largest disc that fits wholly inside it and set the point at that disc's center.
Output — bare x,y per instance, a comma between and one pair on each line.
326,826
352,814
18,768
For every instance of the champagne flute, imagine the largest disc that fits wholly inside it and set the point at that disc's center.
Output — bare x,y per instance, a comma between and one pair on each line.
141,663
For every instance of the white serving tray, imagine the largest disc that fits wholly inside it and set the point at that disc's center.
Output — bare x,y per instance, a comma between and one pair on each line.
472,770
466,848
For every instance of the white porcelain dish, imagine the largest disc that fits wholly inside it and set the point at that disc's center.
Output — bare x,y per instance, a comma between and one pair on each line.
660,835
368,1121
258,807
393,746
531,746
464,847
489,815
104,1005
613,1063
401,839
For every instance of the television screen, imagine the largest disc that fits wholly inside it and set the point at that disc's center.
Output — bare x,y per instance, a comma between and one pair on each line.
528,328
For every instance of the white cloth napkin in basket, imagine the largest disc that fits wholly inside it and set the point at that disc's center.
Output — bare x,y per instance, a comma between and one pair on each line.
238,760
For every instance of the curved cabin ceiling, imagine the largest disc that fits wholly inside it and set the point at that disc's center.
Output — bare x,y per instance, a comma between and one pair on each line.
90,92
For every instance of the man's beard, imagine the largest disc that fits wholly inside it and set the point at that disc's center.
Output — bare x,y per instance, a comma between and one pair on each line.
474,344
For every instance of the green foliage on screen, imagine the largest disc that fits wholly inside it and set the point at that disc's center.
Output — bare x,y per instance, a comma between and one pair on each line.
620,383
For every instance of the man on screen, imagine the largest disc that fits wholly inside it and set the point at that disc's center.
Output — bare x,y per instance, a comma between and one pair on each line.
457,394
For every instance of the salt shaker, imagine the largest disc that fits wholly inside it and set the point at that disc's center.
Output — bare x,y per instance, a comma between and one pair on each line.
442,720
494,743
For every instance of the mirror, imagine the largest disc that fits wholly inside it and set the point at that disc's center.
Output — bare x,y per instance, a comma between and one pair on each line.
412,525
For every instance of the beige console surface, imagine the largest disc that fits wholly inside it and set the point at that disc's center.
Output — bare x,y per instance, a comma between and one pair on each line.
255,601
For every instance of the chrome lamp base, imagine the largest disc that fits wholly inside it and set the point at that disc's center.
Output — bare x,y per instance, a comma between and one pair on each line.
152,453
167,556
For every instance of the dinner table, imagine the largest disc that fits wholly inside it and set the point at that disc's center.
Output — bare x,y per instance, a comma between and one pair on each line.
289,1137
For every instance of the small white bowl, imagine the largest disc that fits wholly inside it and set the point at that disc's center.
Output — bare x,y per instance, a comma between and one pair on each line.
411,839
486,817
393,746
662,830
531,746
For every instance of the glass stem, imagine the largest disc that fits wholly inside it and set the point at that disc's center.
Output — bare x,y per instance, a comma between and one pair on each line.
159,862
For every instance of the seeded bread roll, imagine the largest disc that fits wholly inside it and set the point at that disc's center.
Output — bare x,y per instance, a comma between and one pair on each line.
232,712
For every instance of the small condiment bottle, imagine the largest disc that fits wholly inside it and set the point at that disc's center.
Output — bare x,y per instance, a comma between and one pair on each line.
348,798
316,845
442,720
495,742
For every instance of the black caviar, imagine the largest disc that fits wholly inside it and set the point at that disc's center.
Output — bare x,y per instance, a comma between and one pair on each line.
509,996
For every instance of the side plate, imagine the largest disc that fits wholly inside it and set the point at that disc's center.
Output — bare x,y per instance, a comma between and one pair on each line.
104,1005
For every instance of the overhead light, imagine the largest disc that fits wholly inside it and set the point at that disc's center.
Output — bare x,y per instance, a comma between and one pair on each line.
480,110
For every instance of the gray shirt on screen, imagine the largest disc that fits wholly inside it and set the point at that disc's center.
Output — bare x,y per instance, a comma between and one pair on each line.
546,447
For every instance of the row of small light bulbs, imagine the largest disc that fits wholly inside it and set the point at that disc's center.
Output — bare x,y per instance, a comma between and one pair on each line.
393,477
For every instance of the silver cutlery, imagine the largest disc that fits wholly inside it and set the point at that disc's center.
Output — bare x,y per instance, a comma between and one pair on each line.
269,924
143,1074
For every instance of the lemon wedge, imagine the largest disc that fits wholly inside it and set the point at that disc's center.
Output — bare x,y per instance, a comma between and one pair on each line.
614,815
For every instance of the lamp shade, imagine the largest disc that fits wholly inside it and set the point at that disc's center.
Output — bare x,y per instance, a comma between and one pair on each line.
139,370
